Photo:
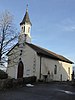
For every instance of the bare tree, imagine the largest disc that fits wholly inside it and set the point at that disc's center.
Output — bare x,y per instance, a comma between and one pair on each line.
8,35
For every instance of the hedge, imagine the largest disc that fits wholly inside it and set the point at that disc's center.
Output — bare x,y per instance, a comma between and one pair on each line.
3,75
31,79
11,83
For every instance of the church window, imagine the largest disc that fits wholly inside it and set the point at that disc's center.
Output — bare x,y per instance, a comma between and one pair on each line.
24,29
19,59
69,70
20,52
55,69
8,61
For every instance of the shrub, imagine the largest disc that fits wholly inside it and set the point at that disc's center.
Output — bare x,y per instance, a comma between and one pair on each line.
19,81
3,75
7,83
31,79
73,83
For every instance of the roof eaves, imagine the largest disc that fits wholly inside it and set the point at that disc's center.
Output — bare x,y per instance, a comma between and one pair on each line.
50,54
12,49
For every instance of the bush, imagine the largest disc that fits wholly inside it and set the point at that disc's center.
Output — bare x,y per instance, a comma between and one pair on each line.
31,79
9,83
73,83
19,81
3,75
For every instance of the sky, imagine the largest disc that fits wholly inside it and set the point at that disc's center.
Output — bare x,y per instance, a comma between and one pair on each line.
53,23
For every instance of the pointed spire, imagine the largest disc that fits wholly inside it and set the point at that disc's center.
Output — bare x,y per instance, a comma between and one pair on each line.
26,18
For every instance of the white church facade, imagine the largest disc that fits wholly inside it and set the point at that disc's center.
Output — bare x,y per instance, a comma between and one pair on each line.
26,59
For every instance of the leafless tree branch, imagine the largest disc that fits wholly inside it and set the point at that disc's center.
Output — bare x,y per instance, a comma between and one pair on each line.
7,35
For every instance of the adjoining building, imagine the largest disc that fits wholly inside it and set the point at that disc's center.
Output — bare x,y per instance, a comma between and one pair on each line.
26,59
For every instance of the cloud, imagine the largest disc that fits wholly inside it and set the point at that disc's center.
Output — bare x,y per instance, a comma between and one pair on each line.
67,25
70,28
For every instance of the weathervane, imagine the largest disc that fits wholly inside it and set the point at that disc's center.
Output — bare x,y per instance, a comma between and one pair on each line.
27,7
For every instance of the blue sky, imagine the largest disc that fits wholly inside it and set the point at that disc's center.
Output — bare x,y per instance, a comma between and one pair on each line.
53,23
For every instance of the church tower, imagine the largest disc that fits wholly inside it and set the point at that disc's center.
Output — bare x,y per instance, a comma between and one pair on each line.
25,26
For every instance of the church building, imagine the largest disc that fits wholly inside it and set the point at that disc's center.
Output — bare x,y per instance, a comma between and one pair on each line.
26,59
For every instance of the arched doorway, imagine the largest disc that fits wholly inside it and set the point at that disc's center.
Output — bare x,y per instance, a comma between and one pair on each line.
20,70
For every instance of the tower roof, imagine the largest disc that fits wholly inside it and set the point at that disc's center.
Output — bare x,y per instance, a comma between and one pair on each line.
26,18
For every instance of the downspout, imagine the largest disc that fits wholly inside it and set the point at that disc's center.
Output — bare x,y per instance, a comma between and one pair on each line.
40,68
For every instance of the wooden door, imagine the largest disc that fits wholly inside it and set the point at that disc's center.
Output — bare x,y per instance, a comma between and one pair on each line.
20,70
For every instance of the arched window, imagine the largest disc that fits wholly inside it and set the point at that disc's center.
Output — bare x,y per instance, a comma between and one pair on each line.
24,29
69,70
55,69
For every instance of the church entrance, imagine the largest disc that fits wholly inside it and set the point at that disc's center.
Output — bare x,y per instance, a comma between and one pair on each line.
20,70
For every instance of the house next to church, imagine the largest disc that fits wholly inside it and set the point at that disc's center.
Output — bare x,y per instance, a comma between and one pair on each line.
26,59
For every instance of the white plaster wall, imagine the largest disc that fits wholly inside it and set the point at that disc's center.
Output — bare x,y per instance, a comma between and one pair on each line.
28,58
29,61
62,68
49,65
65,67
12,72
13,62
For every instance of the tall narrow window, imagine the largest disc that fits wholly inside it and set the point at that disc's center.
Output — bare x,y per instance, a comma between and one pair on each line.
69,70
8,61
55,69
24,29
